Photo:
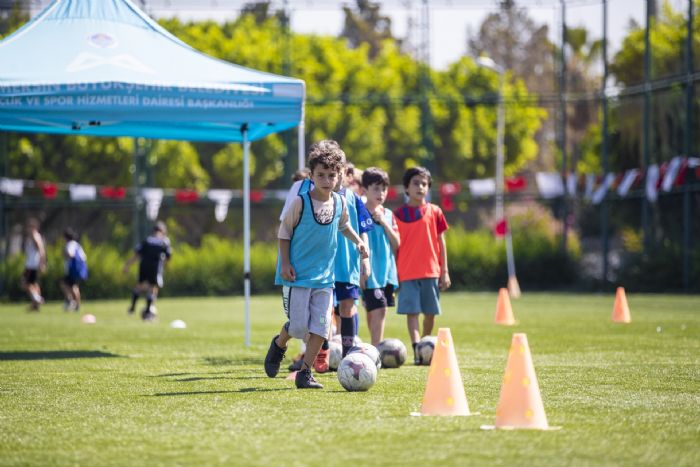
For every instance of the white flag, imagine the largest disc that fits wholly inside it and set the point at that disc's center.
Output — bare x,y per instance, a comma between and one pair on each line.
652,180
550,184
483,187
153,197
601,191
627,181
10,186
571,183
590,184
222,198
83,192
671,173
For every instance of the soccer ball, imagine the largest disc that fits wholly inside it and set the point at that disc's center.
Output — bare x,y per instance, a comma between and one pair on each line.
425,348
339,339
392,352
357,372
335,354
369,350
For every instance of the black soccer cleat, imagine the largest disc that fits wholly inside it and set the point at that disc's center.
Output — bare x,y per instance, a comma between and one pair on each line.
274,357
305,380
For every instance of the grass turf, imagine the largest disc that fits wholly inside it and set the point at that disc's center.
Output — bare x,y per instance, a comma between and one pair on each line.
124,392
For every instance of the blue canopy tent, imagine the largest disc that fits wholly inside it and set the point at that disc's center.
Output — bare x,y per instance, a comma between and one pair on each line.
104,68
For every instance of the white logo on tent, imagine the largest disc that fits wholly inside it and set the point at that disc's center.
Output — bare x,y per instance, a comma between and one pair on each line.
86,61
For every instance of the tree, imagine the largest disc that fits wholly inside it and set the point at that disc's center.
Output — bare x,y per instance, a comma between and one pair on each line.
366,25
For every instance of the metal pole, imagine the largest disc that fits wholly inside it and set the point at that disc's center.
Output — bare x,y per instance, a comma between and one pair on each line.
562,110
500,156
687,148
645,132
246,232
425,88
138,201
604,97
3,215
301,153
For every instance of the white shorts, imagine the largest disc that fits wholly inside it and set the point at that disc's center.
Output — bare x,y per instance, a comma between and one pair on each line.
308,310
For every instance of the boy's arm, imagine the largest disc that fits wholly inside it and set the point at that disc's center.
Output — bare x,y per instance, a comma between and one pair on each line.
130,261
365,265
444,281
286,269
351,235
393,235
42,252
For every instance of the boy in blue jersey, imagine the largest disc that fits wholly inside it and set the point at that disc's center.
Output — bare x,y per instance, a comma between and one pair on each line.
378,293
308,239
350,270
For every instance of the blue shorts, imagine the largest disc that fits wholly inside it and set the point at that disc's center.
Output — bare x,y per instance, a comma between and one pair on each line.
345,290
419,296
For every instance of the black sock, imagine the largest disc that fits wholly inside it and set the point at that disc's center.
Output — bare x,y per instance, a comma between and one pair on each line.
134,297
347,331
149,301
415,354
325,345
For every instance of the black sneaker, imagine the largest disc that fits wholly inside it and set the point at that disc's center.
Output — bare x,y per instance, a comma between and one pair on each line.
305,380
274,357
148,315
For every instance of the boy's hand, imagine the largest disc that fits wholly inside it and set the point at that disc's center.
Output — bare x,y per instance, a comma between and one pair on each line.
444,283
287,272
378,217
365,271
362,249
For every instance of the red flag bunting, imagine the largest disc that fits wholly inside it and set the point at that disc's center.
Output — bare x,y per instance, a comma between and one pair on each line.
256,196
113,192
49,189
186,196
514,184
501,228
449,189
447,203
391,194
680,178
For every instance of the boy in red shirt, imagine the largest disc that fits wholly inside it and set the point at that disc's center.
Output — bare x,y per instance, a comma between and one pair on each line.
422,256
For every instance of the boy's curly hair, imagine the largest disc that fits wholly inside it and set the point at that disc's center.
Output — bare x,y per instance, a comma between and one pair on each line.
413,171
328,154
374,175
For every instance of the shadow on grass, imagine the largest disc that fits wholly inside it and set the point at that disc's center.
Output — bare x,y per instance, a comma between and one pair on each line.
221,361
55,355
198,393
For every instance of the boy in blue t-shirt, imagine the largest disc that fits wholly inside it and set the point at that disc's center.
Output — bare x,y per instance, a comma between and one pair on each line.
384,241
350,270
308,239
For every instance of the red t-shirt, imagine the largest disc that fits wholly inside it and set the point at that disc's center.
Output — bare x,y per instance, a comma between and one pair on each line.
419,252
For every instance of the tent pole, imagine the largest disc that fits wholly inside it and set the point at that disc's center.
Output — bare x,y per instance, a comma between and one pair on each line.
302,142
246,231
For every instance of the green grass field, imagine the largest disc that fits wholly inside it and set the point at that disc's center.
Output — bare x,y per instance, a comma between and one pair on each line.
122,392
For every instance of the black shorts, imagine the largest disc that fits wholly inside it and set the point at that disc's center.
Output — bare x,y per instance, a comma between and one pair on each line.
378,298
151,276
70,281
30,276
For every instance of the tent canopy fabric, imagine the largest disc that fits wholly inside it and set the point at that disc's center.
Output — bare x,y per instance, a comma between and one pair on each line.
104,68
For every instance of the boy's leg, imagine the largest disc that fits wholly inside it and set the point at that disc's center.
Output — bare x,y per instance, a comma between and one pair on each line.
348,331
376,325
304,379
428,324
76,296
135,294
413,333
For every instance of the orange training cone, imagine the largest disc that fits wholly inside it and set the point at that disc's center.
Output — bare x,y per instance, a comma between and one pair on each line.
520,404
504,312
444,393
621,312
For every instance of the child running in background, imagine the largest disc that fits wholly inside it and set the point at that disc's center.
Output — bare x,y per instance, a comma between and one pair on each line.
34,264
308,239
422,256
75,267
153,252
384,241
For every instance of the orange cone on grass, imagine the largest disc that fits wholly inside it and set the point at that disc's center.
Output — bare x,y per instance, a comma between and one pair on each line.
621,311
444,393
520,403
504,312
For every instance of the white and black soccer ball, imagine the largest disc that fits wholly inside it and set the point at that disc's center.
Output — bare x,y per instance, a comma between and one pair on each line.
357,372
425,349
392,353
335,355
336,338
369,350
